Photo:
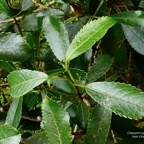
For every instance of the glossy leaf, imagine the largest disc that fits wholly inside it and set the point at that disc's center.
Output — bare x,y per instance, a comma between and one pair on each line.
131,18
30,23
56,122
13,47
9,135
88,35
57,36
63,83
82,116
15,112
122,99
135,38
98,126
23,81
4,8
100,66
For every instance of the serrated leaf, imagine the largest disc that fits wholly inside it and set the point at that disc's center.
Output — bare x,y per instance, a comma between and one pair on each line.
135,37
88,35
123,99
56,122
100,66
98,126
131,18
4,8
13,47
15,112
63,83
23,81
57,36
82,116
9,135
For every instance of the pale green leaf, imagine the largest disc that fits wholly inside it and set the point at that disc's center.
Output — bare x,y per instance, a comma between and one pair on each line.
57,36
98,126
135,37
23,81
100,66
88,35
9,135
15,112
13,47
27,4
131,18
123,99
56,122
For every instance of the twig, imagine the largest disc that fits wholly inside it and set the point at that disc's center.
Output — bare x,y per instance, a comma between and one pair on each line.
3,85
39,4
113,136
11,20
35,119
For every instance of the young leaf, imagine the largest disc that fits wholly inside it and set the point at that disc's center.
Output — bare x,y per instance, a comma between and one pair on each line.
56,122
63,83
98,126
88,35
14,112
9,135
100,66
23,81
82,116
57,36
122,99
13,47
131,18
135,38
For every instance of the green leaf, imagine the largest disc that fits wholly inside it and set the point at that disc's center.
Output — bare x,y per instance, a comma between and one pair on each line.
123,99
23,81
135,38
63,83
56,122
13,47
136,2
7,66
27,4
57,36
98,126
4,8
100,66
30,23
131,18
15,112
9,135
82,116
88,35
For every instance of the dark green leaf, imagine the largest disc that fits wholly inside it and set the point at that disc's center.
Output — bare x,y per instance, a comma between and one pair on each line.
4,8
124,100
23,81
30,23
57,36
14,112
63,83
131,18
98,126
9,135
135,38
7,66
82,116
27,4
100,66
136,2
56,122
13,47
88,35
